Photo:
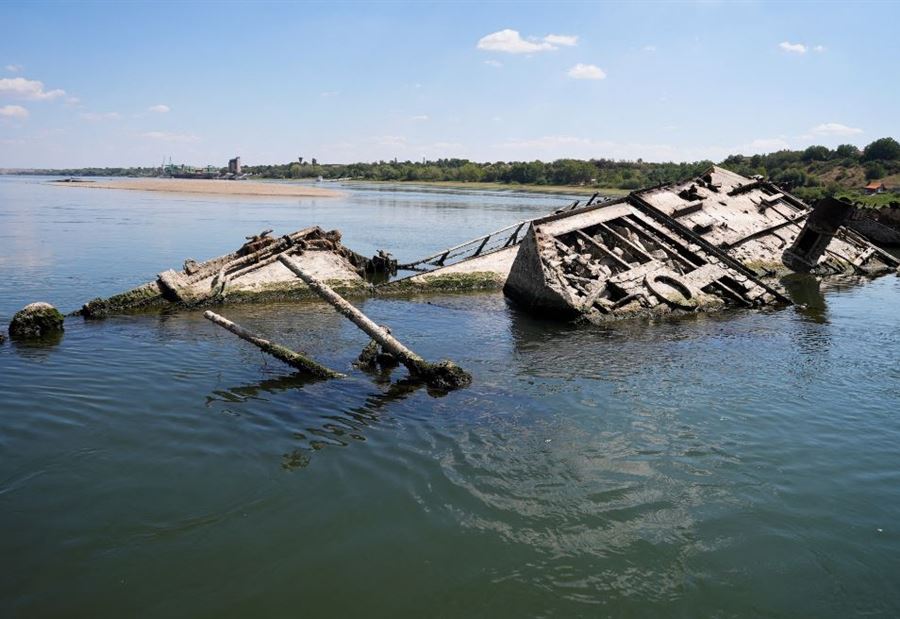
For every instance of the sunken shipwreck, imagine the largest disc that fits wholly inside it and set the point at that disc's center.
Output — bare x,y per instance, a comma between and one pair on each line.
703,244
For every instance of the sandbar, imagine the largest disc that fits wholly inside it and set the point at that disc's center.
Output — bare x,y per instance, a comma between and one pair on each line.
222,187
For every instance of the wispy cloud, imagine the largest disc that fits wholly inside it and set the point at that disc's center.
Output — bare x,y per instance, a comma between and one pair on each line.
13,111
511,42
97,116
165,136
33,90
564,40
419,117
14,68
493,63
649,48
834,129
792,48
586,72
160,108
819,48
329,93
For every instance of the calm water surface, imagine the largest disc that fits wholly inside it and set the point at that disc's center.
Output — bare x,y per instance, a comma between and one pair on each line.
745,464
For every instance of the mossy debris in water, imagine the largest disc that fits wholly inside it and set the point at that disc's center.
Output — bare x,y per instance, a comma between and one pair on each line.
142,297
445,376
450,282
36,320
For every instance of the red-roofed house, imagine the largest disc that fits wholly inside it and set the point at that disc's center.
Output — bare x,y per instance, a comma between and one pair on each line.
875,187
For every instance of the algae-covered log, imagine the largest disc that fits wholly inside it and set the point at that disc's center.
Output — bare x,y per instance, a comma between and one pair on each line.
443,375
278,351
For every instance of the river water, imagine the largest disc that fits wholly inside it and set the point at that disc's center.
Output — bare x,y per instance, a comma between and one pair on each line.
742,464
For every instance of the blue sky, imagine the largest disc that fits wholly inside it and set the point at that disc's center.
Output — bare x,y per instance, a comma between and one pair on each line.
97,84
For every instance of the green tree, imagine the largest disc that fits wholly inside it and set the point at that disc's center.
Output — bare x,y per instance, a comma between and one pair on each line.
847,151
794,177
885,149
470,173
816,153
874,171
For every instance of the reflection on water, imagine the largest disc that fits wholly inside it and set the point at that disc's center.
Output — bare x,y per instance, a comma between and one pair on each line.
35,348
738,464
806,293
336,430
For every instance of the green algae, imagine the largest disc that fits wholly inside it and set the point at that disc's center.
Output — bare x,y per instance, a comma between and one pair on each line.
450,282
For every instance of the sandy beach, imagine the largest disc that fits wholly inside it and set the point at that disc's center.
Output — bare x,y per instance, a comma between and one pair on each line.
233,188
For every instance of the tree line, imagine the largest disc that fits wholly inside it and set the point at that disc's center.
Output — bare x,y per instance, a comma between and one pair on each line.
811,172
599,172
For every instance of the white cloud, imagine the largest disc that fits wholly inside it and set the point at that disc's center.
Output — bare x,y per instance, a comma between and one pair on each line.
793,48
819,48
165,136
836,129
329,93
13,68
586,72
95,116
419,117
159,109
493,63
13,111
72,100
22,88
511,42
650,48
566,40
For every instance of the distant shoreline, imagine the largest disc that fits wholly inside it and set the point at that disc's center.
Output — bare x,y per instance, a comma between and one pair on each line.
217,187
485,186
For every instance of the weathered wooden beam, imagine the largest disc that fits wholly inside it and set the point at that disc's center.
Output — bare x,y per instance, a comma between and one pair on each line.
444,375
624,241
603,248
293,358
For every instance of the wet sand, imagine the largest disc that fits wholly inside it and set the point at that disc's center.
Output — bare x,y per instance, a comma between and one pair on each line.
234,188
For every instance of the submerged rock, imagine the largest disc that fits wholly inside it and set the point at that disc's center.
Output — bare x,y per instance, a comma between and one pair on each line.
36,320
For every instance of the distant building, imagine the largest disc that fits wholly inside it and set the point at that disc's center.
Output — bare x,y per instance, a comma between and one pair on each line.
234,165
875,187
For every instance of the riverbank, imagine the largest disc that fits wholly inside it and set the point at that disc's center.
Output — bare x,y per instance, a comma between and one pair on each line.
567,190
233,188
